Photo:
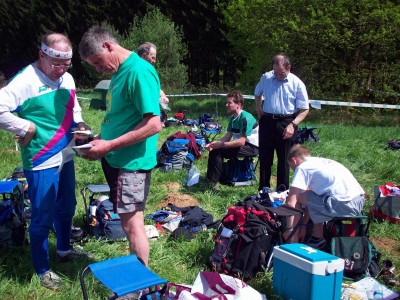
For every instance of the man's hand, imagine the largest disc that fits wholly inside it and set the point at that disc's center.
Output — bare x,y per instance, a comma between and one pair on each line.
288,132
259,108
82,138
214,145
99,149
25,140
163,98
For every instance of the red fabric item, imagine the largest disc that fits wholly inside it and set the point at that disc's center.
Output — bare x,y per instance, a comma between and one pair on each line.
192,144
180,116
388,188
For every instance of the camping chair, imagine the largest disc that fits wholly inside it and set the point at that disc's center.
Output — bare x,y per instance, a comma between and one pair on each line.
240,171
243,171
10,190
92,191
210,130
124,275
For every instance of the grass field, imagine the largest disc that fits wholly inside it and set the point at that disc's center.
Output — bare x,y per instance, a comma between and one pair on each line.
354,137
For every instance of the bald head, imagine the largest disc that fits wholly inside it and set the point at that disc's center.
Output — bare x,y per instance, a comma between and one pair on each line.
57,41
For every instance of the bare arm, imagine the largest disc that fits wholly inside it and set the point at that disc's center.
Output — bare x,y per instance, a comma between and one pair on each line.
293,200
301,115
149,126
218,144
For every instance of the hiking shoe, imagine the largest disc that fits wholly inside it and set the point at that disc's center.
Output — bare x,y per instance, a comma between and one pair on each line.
389,274
317,243
73,255
281,188
214,185
51,281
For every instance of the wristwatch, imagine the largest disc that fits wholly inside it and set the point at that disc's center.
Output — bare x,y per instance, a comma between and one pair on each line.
222,145
294,124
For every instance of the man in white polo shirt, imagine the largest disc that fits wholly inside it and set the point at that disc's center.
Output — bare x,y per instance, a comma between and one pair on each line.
325,187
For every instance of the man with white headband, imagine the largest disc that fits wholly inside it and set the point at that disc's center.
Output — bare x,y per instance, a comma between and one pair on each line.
43,96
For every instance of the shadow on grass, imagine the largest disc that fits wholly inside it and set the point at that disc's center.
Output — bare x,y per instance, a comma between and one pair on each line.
20,267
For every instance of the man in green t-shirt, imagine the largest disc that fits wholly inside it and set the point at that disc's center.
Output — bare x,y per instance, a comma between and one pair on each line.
240,140
129,131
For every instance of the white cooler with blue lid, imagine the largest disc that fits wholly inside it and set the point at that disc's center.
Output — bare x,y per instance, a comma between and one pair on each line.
301,272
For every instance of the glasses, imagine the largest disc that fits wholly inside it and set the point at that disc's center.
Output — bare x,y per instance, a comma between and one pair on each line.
58,67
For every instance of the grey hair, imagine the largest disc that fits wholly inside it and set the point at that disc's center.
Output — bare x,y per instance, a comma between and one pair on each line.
145,48
92,41
281,58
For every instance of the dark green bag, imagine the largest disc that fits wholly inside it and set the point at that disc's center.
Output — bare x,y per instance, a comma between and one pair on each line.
360,255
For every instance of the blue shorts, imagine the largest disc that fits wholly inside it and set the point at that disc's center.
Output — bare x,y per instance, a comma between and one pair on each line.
325,208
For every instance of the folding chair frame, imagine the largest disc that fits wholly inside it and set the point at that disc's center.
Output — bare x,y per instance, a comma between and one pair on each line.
93,189
281,213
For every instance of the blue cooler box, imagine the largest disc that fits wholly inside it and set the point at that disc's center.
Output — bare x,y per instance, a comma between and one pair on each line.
301,272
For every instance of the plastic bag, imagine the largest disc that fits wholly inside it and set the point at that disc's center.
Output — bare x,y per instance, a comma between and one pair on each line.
211,285
193,176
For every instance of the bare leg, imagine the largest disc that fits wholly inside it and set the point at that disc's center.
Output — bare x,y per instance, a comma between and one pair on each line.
133,225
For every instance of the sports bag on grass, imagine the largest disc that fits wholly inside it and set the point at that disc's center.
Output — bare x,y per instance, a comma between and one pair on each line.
354,226
387,202
107,224
360,255
176,154
243,240
12,229
306,134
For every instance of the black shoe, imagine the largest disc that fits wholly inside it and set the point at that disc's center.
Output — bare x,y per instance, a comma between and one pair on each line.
73,255
281,188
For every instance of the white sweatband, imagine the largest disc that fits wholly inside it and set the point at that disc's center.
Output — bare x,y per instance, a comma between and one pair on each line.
55,53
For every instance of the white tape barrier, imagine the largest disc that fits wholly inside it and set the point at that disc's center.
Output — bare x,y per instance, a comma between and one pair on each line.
314,103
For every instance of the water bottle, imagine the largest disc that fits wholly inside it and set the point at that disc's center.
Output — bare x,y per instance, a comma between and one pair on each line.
376,293
221,246
202,227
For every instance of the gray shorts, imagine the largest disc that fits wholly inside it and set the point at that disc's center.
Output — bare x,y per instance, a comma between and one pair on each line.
128,189
325,208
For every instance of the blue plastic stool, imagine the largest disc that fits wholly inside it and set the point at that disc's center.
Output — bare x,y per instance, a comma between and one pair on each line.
124,275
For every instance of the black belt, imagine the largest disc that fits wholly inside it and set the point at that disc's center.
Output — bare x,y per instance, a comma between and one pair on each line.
142,171
278,116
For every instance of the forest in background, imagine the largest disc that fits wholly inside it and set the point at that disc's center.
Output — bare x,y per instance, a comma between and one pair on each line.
344,50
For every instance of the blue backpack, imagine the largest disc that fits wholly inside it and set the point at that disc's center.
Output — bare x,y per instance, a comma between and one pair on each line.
238,172
108,224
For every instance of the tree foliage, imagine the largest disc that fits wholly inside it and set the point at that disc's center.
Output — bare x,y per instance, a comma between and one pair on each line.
156,28
339,48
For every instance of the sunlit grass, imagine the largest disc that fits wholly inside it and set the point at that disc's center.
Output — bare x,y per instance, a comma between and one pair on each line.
346,137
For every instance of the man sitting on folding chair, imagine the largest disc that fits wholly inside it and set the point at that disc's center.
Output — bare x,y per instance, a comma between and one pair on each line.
240,140
325,187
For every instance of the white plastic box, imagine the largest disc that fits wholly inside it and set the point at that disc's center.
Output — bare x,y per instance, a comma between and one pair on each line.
301,272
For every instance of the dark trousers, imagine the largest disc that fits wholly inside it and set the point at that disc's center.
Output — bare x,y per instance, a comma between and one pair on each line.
270,138
216,158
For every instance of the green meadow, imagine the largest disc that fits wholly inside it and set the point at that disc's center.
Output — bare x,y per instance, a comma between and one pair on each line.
356,137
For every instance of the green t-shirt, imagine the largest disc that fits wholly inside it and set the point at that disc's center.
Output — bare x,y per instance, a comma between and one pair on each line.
244,125
134,91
